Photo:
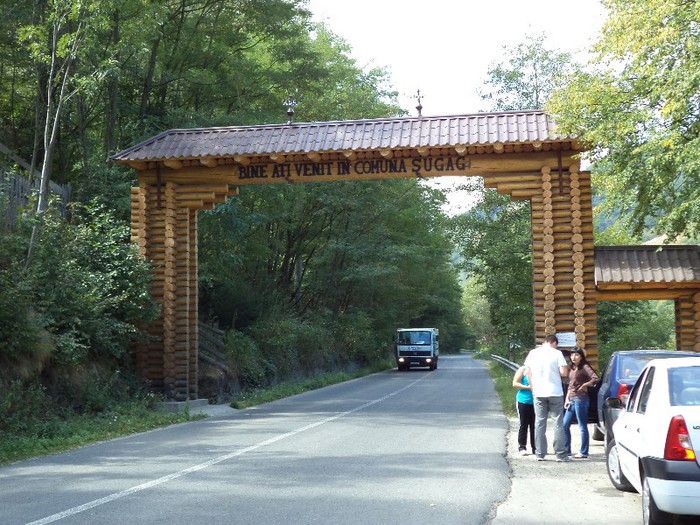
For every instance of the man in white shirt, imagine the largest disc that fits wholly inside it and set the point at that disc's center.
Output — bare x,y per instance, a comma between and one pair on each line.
546,367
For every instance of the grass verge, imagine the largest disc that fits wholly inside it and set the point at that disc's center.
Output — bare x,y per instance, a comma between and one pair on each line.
51,435
290,388
503,379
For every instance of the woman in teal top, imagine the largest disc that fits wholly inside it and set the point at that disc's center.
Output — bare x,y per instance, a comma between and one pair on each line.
526,411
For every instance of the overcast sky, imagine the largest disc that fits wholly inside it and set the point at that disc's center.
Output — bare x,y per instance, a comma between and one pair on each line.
445,47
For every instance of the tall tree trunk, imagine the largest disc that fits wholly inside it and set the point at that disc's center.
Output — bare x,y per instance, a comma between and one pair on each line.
82,133
56,97
148,81
113,91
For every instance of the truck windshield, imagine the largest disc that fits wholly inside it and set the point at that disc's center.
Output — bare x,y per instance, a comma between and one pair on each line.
414,338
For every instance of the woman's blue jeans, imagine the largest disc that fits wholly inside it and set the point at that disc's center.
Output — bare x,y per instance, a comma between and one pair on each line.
578,411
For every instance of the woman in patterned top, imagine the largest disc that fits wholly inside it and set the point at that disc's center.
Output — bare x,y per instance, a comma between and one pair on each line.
577,401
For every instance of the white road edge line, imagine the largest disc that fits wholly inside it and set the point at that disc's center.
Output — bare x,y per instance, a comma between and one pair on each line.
175,475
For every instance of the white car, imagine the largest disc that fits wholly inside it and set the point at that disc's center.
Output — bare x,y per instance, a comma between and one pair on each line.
656,441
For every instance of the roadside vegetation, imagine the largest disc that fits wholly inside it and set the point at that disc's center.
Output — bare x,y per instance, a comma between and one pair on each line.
306,280
255,397
38,427
503,381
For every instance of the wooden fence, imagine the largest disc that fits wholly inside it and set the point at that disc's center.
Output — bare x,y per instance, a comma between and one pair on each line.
16,192
211,344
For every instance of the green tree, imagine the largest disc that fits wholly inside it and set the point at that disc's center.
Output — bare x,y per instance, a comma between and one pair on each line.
476,313
631,325
494,236
527,78
57,41
637,107
81,304
357,258
494,240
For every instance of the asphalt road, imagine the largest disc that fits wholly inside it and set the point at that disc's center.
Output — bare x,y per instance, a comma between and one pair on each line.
396,447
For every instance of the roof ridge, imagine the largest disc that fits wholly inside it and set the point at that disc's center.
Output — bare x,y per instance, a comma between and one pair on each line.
478,129
356,121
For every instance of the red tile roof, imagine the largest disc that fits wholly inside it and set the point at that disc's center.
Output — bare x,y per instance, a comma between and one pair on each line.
515,127
647,264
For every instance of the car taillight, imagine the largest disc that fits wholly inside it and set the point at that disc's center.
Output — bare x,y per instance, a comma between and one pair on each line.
623,393
678,446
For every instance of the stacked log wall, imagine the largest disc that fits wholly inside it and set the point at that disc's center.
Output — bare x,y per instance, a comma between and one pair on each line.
688,322
563,258
164,227
193,307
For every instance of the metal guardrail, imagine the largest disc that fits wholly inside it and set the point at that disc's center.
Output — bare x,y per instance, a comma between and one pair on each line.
510,364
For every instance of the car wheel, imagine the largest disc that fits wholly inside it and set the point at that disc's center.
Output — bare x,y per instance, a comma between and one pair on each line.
651,515
596,434
617,478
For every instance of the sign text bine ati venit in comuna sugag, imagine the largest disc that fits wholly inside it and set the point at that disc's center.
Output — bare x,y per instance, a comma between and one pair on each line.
418,166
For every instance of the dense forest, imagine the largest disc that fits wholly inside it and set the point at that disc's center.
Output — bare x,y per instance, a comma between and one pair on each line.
303,279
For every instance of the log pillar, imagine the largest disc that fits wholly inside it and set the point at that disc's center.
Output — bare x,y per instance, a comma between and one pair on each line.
563,258
688,322
194,307
165,231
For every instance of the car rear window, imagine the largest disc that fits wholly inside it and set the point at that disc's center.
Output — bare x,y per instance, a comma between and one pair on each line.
684,386
631,366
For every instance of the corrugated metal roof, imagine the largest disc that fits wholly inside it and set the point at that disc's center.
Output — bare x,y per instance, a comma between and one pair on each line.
647,264
515,127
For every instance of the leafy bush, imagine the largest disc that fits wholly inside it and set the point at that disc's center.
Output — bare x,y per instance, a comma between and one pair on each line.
251,366
20,404
355,339
631,325
284,349
91,286
296,347
69,314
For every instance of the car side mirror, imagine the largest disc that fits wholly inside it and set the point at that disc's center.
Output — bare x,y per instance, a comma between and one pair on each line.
613,402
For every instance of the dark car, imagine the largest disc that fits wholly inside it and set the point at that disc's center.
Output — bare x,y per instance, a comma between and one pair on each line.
617,380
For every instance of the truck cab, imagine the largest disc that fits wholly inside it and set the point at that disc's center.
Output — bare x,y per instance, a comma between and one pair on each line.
417,347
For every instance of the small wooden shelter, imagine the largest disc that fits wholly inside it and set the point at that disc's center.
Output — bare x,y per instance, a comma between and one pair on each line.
517,153
637,273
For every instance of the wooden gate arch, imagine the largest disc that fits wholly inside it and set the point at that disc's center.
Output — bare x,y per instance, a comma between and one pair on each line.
520,154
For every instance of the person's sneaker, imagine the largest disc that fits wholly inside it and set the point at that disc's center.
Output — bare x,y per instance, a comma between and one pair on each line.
523,452
581,456
564,459
540,458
